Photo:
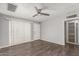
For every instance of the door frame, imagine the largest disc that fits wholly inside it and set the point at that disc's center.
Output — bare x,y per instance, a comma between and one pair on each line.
65,29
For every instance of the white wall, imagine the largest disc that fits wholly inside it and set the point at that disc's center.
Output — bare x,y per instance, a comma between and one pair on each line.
53,30
4,33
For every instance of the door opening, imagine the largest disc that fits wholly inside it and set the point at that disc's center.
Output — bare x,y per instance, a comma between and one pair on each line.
71,32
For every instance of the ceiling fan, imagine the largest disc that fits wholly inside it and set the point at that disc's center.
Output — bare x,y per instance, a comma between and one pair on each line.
39,11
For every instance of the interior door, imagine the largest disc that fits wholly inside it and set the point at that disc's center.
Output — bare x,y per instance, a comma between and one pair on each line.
71,30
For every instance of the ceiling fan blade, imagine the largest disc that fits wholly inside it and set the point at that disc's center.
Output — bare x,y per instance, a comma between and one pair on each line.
44,14
35,15
36,9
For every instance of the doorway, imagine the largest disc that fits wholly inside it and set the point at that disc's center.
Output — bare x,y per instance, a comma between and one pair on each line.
71,32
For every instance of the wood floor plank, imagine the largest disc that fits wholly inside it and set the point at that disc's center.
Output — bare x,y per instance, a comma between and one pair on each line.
40,48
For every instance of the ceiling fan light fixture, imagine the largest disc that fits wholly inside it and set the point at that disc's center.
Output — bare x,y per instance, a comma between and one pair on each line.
39,12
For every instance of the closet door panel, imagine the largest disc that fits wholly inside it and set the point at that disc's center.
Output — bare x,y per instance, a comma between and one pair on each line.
27,32
18,32
36,31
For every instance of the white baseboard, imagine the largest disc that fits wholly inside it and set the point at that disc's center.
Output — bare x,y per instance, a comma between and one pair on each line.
54,42
4,46
15,44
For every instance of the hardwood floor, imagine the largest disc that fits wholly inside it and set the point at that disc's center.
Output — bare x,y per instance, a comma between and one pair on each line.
40,48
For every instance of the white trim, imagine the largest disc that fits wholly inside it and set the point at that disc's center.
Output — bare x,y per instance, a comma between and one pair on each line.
4,46
54,42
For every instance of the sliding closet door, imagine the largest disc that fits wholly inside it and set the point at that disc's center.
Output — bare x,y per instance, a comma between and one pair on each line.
20,32
36,31
27,32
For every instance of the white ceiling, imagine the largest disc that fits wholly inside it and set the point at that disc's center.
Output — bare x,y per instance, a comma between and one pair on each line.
27,10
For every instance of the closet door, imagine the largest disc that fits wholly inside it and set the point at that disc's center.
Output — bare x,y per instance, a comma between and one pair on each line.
18,32
36,31
27,31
